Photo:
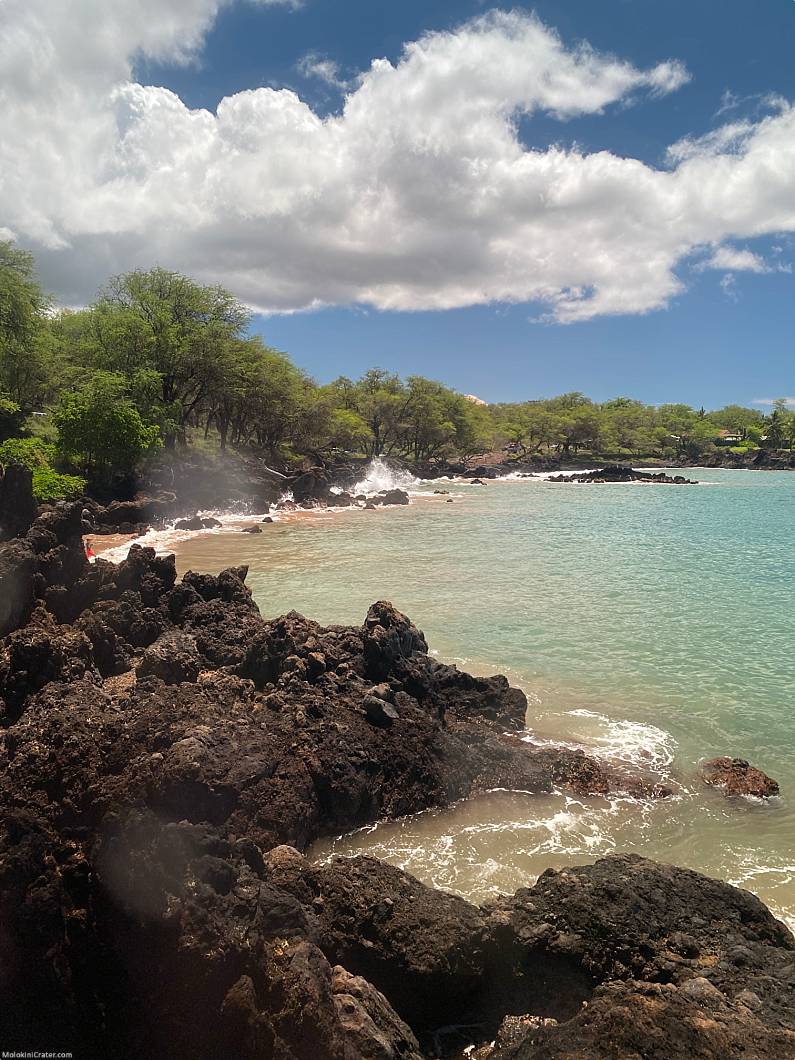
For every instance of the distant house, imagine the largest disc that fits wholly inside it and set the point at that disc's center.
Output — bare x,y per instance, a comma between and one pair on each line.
728,437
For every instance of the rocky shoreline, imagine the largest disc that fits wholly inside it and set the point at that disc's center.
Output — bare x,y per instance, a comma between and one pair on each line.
165,756
178,490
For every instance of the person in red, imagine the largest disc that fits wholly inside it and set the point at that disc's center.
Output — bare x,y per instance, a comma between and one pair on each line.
90,553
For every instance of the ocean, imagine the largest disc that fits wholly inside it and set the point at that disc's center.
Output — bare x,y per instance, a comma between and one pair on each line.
649,623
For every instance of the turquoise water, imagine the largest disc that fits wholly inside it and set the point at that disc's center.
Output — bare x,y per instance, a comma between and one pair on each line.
654,623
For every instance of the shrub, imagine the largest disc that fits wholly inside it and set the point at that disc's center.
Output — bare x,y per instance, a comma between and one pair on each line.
37,456
100,430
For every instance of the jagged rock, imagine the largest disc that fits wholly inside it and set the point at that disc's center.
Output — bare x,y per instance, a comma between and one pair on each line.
172,658
17,587
737,777
622,474
389,636
313,485
18,506
370,1026
378,712
252,530
393,497
141,511
35,656
197,522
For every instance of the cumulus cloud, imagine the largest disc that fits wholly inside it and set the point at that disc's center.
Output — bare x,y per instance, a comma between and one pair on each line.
418,195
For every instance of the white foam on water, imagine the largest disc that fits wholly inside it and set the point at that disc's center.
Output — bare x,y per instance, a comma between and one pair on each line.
619,740
164,541
380,476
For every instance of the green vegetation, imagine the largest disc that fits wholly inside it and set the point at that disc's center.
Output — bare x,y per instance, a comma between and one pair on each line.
160,360
623,427
38,457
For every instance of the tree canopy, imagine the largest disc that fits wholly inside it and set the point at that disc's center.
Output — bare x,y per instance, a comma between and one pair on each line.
160,359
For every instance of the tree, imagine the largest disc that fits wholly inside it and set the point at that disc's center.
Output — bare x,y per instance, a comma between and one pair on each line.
737,419
100,430
24,375
159,321
690,433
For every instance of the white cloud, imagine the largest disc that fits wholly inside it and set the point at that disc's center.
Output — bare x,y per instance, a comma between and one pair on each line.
419,195
313,64
734,260
788,401
731,260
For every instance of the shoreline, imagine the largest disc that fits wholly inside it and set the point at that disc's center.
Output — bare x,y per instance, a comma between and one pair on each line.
168,842
234,522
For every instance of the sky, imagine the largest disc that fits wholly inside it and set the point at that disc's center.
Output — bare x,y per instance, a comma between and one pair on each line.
516,200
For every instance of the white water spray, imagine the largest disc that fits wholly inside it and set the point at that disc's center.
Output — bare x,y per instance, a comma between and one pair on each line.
379,476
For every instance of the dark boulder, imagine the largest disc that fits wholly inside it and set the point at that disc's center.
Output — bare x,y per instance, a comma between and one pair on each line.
737,777
378,711
620,473
393,497
139,512
17,586
312,486
389,636
172,658
197,522
38,654
18,507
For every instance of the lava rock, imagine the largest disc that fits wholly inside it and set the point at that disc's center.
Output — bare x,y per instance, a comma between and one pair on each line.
17,591
197,522
172,658
737,777
18,507
395,496
620,473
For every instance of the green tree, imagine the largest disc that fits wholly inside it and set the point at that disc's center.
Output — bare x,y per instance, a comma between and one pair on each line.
24,375
160,322
100,430
737,419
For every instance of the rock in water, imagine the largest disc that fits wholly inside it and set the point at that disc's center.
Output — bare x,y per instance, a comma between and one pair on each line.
738,777
620,473
197,522
394,497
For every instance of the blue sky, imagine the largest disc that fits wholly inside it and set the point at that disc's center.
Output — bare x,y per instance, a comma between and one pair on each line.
709,346
669,275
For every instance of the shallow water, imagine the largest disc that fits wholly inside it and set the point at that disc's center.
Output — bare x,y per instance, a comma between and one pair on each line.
652,622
